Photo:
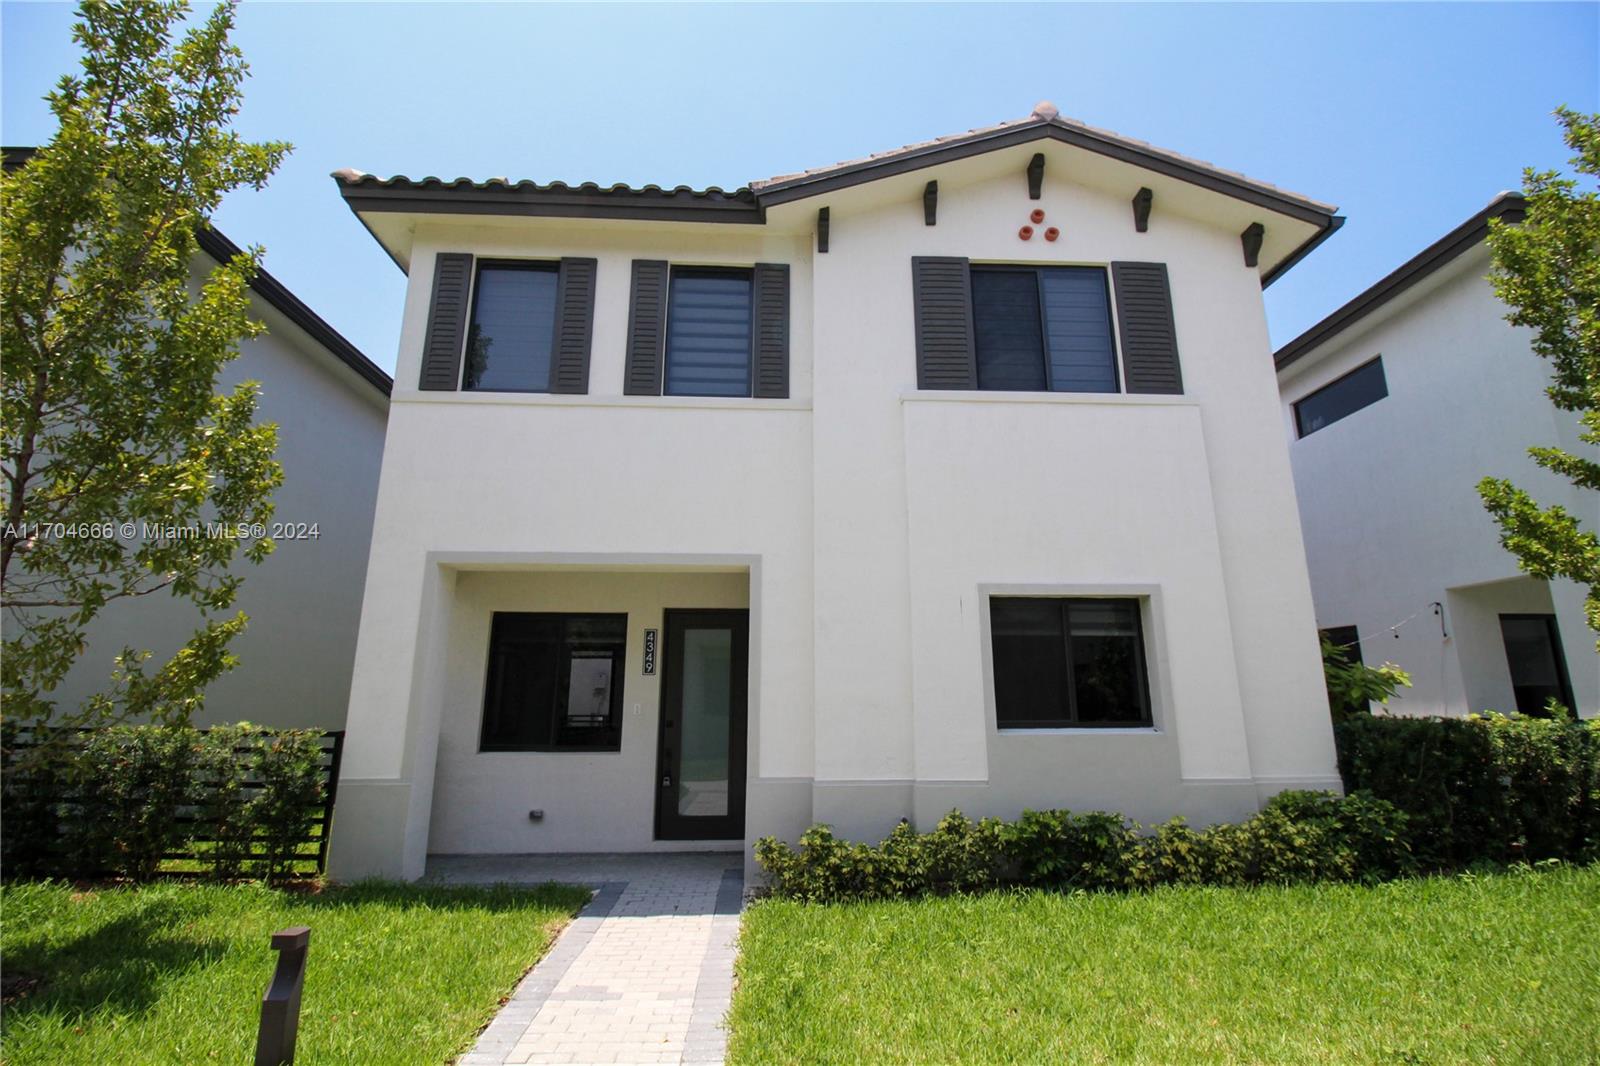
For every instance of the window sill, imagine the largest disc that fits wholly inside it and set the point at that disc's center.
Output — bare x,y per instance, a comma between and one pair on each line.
545,399
1109,399
1083,731
549,751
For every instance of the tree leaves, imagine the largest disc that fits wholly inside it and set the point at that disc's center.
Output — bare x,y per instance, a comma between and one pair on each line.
112,339
1548,271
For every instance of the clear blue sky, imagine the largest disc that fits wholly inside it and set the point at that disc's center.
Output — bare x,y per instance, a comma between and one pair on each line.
1409,117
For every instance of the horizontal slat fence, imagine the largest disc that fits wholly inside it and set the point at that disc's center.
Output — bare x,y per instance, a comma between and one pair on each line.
310,849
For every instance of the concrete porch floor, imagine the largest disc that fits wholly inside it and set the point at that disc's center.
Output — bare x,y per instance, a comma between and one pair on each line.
644,974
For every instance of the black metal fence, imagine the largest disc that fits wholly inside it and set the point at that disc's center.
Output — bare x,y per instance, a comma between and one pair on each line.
309,855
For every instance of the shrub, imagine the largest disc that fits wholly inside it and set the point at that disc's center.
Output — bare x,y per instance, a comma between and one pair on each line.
960,855
225,812
1490,787
1309,836
1058,849
288,768
1171,854
132,784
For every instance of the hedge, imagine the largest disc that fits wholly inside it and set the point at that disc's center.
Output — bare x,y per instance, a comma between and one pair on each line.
1491,787
121,801
1423,794
1298,836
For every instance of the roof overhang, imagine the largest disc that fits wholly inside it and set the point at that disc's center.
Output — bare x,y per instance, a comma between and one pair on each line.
275,293
389,208
1509,206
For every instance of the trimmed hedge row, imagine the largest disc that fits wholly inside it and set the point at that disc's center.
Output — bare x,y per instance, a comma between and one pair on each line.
1423,794
1299,836
122,800
1491,787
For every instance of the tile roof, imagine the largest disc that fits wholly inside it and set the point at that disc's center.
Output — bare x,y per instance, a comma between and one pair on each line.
352,178
1044,114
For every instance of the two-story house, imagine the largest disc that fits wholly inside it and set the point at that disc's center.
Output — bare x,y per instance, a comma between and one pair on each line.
948,477
1397,404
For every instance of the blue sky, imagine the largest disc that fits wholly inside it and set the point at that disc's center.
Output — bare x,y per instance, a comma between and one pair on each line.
1409,117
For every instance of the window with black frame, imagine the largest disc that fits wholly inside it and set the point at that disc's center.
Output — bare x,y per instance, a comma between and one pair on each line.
1068,662
554,682
708,346
1038,329
512,328
1341,398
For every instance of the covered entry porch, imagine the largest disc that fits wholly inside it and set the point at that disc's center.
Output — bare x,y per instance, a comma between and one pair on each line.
593,709
572,703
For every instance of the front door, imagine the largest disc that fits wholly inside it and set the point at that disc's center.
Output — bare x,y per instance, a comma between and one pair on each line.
704,697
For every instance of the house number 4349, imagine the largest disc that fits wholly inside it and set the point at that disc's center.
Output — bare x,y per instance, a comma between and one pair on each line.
649,651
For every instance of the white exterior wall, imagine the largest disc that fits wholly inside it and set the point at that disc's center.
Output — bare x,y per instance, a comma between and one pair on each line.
924,499
304,599
872,521
1388,495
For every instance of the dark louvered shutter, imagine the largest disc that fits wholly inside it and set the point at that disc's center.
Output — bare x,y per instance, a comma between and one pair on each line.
770,330
569,354
1144,318
942,309
647,328
447,322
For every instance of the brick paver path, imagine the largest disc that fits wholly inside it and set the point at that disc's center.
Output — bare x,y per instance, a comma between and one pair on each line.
643,975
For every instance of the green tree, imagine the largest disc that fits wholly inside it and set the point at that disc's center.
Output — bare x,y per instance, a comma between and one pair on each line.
1353,686
1547,270
111,340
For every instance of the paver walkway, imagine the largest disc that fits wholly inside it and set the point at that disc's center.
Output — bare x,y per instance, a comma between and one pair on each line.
643,975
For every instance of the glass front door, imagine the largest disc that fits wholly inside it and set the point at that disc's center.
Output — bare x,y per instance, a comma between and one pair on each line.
701,764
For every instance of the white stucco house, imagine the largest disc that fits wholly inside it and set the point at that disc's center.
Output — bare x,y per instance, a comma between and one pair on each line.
330,403
1396,406
948,477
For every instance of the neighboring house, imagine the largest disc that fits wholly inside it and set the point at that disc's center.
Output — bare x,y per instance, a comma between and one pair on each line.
1397,405
304,601
949,477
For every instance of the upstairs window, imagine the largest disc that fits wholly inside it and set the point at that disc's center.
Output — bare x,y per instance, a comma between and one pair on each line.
708,349
555,682
1362,387
1068,662
1039,329
513,327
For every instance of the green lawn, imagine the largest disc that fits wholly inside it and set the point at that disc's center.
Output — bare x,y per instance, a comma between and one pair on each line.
173,973
1497,968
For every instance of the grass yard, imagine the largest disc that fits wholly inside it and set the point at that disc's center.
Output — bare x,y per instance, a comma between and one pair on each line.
173,973
1496,968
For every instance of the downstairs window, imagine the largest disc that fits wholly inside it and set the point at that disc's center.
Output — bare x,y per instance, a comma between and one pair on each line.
554,683
1068,662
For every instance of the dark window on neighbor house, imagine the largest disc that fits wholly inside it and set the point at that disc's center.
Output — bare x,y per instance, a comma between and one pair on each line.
555,682
708,332
1538,669
513,327
1043,328
1347,640
1362,387
1068,662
